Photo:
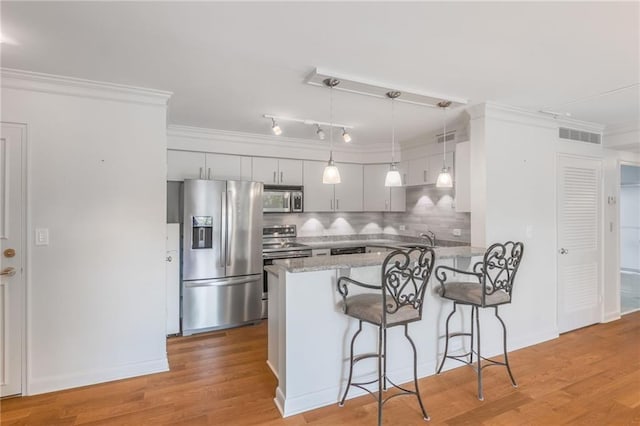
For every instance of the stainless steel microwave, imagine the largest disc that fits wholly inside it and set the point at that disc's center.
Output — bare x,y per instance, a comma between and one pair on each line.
282,199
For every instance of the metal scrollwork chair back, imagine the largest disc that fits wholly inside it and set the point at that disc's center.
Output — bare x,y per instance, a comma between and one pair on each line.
397,301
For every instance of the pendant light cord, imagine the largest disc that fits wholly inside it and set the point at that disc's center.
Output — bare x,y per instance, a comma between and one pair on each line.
393,131
331,122
444,139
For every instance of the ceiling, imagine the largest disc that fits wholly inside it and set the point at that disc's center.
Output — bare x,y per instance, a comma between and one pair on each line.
229,63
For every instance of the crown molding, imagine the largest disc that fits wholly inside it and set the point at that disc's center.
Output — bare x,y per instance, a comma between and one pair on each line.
520,115
622,128
277,142
71,86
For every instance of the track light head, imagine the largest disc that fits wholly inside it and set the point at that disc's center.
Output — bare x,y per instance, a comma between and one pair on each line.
320,132
275,128
346,136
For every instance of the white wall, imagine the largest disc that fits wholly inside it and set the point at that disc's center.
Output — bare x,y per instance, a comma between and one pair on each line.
96,180
516,194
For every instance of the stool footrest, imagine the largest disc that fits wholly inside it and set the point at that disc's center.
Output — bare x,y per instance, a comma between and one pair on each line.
365,356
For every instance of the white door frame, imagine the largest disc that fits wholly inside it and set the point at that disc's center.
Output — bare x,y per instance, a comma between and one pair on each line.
617,254
26,273
601,272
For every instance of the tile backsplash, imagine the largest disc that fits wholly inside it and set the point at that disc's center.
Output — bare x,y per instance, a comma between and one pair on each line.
433,209
428,208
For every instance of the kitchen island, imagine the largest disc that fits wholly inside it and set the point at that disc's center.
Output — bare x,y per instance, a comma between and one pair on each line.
309,336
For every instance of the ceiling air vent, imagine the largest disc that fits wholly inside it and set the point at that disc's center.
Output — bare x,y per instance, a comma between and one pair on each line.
451,136
580,136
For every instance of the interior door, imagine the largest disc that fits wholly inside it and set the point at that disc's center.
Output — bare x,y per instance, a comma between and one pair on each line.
12,228
579,242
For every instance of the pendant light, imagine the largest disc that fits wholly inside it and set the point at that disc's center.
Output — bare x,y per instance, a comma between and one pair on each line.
393,175
444,178
331,174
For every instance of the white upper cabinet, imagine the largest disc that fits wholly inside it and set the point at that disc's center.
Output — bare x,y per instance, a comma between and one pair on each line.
348,194
183,165
318,197
265,170
224,167
376,195
379,198
290,172
417,173
463,177
274,171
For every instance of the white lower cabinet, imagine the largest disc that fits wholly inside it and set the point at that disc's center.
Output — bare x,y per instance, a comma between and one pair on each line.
379,198
342,197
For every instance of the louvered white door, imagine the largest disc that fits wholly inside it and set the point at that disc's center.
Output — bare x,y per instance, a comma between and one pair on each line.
579,248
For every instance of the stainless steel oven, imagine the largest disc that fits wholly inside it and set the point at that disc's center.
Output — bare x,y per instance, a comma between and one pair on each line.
282,199
278,243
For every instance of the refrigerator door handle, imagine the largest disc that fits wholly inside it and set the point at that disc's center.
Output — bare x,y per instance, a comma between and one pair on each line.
229,225
223,281
223,231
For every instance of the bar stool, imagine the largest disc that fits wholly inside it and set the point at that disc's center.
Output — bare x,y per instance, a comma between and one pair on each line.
492,287
397,301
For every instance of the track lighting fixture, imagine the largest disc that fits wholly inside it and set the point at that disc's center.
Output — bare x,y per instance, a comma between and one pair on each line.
320,132
275,128
346,136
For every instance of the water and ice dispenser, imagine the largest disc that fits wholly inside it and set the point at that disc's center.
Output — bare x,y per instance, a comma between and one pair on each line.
202,232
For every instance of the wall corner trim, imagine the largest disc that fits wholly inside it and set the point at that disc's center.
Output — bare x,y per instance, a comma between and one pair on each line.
71,86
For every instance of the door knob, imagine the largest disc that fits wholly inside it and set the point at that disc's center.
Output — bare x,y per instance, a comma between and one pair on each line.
564,251
8,271
169,258
9,252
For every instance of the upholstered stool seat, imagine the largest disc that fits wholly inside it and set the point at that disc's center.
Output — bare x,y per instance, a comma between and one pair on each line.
397,301
471,293
491,286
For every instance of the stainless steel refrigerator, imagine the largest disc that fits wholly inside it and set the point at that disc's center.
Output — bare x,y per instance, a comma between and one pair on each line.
222,254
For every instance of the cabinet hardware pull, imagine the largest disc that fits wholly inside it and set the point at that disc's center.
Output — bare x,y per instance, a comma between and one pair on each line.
201,173
337,204
274,177
424,174
281,177
209,173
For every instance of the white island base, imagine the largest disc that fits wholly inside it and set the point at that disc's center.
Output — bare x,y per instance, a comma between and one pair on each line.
309,336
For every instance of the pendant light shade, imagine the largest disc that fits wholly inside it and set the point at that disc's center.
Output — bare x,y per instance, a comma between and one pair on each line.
331,174
393,175
444,178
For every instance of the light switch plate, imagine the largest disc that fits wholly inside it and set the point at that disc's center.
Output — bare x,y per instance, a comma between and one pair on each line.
403,227
456,232
42,237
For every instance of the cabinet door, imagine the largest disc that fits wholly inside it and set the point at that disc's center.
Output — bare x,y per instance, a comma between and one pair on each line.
183,165
265,170
462,177
417,173
376,195
318,197
289,172
435,166
224,167
349,192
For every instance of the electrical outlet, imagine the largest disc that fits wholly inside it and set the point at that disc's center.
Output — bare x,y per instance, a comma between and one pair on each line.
403,227
456,232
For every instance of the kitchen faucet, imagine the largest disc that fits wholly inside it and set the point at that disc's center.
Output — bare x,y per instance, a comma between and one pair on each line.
430,237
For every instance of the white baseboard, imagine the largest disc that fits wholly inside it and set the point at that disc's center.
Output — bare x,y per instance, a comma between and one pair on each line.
273,370
85,378
611,316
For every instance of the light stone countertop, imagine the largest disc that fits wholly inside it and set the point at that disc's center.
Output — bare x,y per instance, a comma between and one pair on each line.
322,263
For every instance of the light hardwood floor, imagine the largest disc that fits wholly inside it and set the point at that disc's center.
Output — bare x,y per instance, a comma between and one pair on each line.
589,376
